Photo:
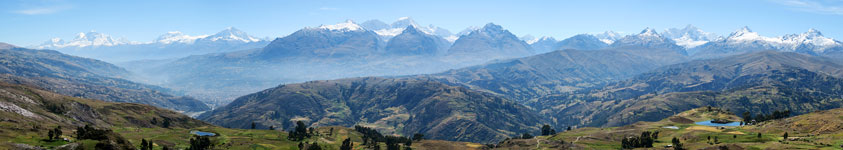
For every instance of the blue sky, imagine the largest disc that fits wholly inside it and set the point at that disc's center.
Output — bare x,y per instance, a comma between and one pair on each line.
29,22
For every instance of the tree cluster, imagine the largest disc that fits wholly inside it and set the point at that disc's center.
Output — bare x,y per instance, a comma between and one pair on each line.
526,136
346,144
56,108
677,145
54,134
92,133
146,145
749,119
371,137
200,143
314,146
547,130
165,124
369,134
644,141
299,133
418,137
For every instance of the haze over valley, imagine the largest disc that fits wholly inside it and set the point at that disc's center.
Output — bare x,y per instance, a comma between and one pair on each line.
341,79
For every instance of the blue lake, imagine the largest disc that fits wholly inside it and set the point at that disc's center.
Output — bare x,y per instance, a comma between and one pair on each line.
709,123
200,133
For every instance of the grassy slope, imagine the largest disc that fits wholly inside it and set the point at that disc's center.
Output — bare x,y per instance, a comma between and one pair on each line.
696,136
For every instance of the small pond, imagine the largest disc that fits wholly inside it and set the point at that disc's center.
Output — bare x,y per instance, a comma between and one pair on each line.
200,133
671,127
709,123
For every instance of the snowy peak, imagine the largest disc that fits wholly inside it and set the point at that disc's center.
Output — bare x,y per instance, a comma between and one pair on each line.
649,32
647,38
229,34
530,39
411,29
404,22
386,32
691,32
745,29
177,37
545,38
811,41
690,36
84,39
813,32
233,34
608,37
745,35
95,39
348,25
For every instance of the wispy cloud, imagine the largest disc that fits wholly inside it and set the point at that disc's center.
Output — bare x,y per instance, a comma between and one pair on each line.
40,11
834,7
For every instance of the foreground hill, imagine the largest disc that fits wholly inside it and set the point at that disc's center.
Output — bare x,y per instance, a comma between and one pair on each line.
82,77
809,131
28,113
393,106
759,82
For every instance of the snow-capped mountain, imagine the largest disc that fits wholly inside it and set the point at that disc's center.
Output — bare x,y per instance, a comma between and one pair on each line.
415,42
745,36
388,31
648,38
812,41
232,34
581,42
84,39
530,39
345,39
745,40
543,45
348,25
652,45
690,36
172,44
608,37
177,37
491,40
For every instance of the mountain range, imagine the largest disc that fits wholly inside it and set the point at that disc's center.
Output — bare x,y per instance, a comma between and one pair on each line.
744,40
171,45
330,51
759,81
349,49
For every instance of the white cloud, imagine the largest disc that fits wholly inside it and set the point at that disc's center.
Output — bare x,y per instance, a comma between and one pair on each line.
42,10
834,7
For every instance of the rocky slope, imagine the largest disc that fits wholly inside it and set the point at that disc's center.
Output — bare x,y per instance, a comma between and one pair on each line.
28,113
757,82
393,106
